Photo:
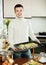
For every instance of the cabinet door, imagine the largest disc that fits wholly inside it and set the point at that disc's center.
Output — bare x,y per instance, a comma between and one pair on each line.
38,7
9,7
31,7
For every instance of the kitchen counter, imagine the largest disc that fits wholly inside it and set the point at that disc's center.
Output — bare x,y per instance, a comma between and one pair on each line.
42,39
23,61
44,36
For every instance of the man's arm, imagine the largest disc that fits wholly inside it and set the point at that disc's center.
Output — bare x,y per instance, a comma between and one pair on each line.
10,35
31,34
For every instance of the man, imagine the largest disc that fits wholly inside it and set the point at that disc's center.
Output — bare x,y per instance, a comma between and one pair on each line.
19,30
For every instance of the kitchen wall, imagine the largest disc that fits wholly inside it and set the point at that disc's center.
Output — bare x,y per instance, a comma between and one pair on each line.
0,8
35,8
38,24
1,24
9,7
31,7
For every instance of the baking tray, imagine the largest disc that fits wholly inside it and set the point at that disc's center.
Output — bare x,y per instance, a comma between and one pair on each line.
20,50
25,48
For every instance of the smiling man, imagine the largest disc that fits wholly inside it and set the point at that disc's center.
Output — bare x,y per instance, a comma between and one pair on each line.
19,30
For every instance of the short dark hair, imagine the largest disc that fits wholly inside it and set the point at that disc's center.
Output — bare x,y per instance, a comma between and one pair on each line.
18,5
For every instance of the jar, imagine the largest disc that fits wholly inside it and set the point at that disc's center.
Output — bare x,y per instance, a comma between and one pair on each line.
42,54
10,54
2,56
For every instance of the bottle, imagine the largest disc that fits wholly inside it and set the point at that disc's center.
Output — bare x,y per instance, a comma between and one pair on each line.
11,61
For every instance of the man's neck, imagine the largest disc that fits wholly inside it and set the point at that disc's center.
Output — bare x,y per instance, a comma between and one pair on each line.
20,18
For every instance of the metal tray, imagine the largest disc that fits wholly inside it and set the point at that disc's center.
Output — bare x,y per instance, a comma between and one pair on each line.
20,50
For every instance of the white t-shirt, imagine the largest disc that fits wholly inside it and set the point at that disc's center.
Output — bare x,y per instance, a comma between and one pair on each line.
19,30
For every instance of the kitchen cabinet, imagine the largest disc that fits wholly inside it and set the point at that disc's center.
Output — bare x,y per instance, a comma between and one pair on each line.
8,7
32,8
42,39
41,48
38,8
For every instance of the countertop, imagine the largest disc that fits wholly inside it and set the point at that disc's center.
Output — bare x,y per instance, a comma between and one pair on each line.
40,35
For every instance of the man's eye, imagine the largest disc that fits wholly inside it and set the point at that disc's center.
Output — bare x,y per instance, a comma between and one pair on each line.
17,11
20,10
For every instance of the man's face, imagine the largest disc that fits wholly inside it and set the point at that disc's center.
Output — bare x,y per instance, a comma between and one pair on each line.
19,12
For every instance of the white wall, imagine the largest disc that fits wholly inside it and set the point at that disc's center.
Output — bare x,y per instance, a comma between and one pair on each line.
31,7
38,7
38,24
9,7
0,8
0,13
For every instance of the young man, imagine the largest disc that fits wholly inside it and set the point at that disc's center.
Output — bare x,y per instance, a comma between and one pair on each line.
19,31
